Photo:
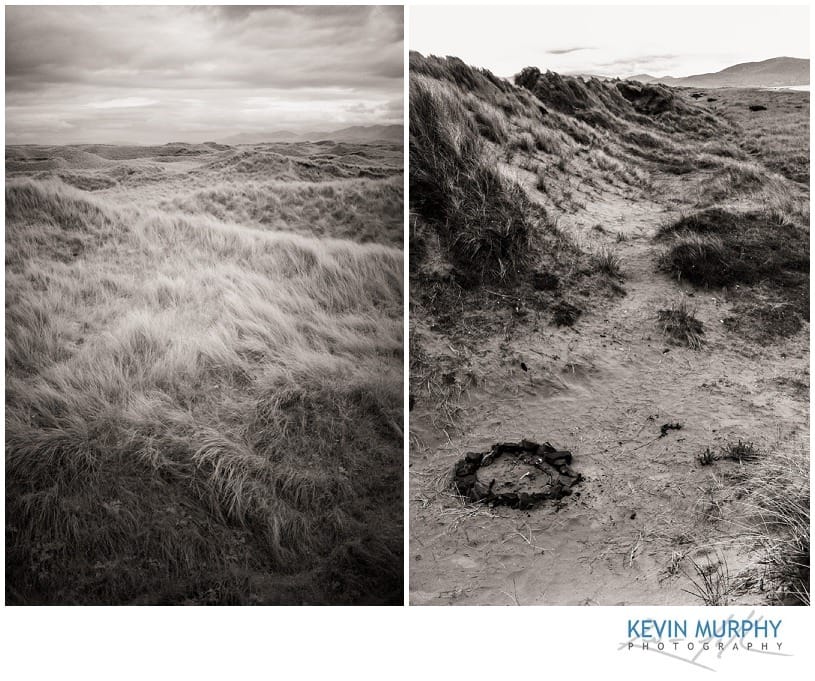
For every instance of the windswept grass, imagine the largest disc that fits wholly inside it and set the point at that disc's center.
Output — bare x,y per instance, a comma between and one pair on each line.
777,505
482,218
365,210
196,410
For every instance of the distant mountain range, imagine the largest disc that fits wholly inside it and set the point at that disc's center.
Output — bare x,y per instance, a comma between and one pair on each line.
777,72
356,133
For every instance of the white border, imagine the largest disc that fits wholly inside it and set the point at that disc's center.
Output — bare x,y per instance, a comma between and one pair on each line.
362,642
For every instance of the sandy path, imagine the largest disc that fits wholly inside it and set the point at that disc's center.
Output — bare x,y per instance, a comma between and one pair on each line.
602,390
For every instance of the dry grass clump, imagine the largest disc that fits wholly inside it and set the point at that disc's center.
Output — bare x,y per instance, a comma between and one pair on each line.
711,582
681,326
608,262
546,139
197,411
779,504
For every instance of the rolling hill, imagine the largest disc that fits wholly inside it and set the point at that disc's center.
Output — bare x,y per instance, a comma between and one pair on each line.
777,72
355,133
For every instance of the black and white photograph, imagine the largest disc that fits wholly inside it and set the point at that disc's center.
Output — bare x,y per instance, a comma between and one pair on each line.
609,306
204,224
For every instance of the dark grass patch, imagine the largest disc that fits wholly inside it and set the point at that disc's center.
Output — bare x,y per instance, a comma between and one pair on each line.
762,259
541,181
209,522
765,323
545,281
681,326
717,248
564,313
794,166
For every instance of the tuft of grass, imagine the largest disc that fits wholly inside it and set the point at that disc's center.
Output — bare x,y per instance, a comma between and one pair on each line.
606,163
741,452
608,262
711,582
775,320
681,326
699,259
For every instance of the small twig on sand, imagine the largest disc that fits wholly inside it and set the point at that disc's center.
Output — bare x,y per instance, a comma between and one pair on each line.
650,442
529,540
514,594
501,295
633,554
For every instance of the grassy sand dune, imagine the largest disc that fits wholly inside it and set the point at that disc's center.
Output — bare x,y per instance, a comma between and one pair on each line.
198,409
367,210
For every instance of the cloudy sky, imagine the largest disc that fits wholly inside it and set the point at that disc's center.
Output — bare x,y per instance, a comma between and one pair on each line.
160,74
611,41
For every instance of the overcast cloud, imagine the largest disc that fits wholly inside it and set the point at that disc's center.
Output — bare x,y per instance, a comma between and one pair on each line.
611,40
160,74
